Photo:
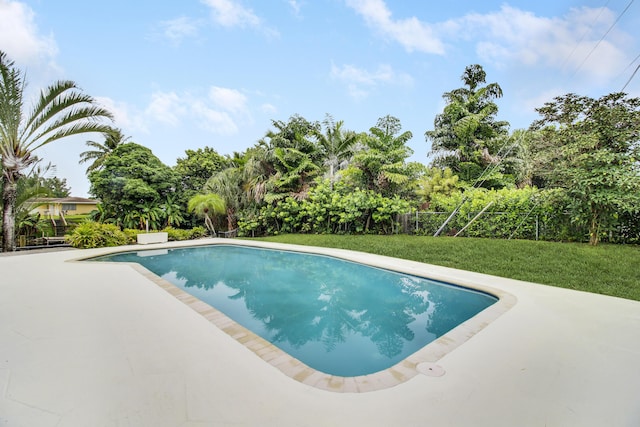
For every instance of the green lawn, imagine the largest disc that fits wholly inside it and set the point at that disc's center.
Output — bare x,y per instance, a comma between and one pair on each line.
606,269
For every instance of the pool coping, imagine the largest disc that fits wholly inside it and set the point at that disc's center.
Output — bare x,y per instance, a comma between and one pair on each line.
421,362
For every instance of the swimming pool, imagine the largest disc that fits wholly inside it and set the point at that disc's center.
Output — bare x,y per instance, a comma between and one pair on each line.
338,317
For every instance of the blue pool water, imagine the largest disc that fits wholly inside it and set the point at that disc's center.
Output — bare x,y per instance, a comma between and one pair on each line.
336,316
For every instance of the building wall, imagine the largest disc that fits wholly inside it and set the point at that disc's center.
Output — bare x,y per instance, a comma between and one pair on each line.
82,209
48,209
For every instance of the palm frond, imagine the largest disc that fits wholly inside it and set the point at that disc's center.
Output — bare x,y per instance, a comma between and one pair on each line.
59,105
50,103
74,129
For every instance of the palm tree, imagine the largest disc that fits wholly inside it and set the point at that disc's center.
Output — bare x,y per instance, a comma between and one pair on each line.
206,205
112,138
336,146
28,197
255,176
228,185
62,110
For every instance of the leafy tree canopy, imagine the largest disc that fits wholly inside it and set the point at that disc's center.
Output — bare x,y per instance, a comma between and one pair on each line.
463,133
380,162
54,186
42,182
336,145
197,167
228,185
594,151
99,152
292,153
131,177
436,181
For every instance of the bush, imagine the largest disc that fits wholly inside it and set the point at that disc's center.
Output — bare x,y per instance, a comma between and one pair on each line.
181,234
526,213
132,235
177,233
95,235
198,232
340,210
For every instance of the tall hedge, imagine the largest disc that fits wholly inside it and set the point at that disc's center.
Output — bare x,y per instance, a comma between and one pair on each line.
326,211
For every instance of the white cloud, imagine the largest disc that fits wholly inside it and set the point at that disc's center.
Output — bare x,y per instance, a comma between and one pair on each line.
166,107
19,36
410,33
222,111
268,108
514,36
214,121
360,81
228,99
232,14
511,36
124,116
177,29
295,7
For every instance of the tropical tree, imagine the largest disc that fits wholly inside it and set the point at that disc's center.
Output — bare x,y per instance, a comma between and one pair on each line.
255,175
130,177
529,157
197,167
379,164
151,215
463,134
56,187
293,154
100,214
228,185
29,191
206,206
595,154
436,181
60,111
112,139
336,146
172,211
132,219
40,177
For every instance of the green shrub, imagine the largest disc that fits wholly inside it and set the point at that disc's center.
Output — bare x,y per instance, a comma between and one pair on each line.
327,210
198,232
132,235
177,233
182,234
95,235
526,213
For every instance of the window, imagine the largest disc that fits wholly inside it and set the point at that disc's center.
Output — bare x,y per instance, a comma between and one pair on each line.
68,206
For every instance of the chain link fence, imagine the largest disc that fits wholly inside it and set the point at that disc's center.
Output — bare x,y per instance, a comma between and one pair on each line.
516,225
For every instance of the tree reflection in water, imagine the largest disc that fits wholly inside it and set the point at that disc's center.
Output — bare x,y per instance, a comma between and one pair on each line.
336,316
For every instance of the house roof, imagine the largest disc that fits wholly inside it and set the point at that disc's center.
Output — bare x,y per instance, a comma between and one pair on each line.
76,200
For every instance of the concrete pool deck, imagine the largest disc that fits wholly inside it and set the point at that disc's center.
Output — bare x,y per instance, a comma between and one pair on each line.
88,344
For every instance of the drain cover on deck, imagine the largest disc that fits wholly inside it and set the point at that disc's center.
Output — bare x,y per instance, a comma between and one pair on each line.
430,369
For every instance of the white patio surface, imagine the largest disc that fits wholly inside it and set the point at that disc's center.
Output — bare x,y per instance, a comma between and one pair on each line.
92,344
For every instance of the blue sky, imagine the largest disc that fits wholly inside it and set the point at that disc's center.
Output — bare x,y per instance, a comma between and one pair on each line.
192,73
